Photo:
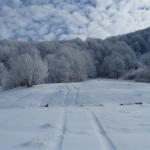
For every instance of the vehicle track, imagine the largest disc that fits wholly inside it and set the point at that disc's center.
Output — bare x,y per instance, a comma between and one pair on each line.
71,96
64,101
57,141
105,142
34,100
76,96
47,94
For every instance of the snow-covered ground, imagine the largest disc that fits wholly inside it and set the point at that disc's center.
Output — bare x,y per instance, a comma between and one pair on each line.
80,116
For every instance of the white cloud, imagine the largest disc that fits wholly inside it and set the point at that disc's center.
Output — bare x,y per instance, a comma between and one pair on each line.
49,36
61,19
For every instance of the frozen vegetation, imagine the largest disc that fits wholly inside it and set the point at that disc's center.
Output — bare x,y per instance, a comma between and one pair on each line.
31,63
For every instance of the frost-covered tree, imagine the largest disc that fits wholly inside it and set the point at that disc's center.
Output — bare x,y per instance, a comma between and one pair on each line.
113,66
46,47
116,67
77,60
104,69
59,69
6,53
26,70
146,61
69,65
148,43
2,72
138,43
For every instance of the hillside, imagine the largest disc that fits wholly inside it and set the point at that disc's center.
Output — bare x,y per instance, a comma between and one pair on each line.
117,57
85,115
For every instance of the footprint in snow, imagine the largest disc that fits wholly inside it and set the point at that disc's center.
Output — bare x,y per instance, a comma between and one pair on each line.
34,144
48,125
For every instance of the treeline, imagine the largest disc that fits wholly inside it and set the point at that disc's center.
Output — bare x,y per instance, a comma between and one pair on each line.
28,63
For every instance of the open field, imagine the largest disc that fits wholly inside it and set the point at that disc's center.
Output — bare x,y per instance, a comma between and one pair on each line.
80,116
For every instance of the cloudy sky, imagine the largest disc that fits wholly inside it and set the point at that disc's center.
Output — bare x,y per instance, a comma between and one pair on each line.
67,19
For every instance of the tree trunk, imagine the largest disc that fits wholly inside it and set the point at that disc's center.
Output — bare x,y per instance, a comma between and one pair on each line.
29,84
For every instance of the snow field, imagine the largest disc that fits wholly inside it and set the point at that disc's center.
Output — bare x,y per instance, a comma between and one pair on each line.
27,128
74,119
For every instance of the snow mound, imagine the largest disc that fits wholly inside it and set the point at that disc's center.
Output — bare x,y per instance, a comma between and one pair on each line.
48,125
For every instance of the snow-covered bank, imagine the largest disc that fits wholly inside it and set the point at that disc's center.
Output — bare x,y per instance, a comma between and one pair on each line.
73,120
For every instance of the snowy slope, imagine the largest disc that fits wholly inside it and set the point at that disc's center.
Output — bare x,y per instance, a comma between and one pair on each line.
74,120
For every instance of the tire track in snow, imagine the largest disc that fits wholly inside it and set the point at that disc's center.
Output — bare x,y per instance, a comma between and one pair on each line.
57,141
32,99
64,102
105,142
76,96
71,96
47,95
42,94
57,87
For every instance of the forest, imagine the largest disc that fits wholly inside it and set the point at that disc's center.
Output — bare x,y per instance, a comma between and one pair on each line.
124,57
